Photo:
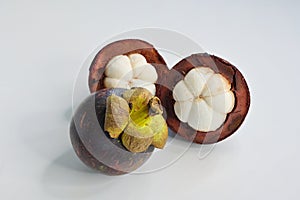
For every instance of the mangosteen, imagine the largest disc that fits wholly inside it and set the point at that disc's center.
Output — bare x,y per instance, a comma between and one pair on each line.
115,130
127,64
206,98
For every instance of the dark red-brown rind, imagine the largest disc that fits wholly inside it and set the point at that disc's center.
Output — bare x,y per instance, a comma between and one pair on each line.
239,88
94,146
125,47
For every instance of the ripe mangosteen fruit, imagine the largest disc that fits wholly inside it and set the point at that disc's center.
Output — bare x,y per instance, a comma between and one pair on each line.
126,64
115,130
206,98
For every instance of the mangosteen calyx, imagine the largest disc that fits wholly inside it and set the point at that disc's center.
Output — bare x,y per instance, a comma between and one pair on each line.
137,118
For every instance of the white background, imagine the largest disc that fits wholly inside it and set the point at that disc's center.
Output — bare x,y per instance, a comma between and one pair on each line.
44,44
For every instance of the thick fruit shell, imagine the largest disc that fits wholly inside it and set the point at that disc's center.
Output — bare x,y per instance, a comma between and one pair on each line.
94,146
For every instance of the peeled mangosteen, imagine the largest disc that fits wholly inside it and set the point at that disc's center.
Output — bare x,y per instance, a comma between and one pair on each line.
126,64
206,98
108,129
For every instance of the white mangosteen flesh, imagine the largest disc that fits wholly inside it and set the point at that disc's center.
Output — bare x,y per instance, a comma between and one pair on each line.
130,71
203,99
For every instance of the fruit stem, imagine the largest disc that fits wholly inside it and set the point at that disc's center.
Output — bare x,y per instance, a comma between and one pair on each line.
141,117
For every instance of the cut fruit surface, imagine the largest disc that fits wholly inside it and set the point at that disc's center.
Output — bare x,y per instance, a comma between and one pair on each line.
126,64
130,71
203,99
206,98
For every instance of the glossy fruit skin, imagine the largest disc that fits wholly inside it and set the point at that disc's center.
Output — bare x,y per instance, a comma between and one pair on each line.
94,146
125,47
239,87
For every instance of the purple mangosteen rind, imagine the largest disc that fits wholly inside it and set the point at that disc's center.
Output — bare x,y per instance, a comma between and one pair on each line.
94,146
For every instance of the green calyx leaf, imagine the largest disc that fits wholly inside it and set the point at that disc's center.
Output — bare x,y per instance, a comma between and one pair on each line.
116,116
160,131
137,138
141,121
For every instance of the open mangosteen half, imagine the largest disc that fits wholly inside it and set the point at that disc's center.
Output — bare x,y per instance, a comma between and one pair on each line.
115,130
126,64
206,98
